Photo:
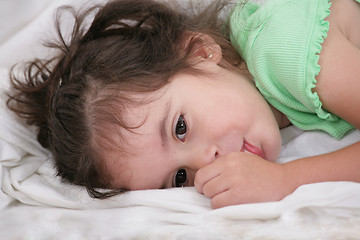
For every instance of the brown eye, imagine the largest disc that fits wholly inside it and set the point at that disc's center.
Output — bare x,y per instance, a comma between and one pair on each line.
180,130
180,178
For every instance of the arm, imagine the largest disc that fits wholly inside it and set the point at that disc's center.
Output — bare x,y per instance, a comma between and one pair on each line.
338,86
338,83
341,165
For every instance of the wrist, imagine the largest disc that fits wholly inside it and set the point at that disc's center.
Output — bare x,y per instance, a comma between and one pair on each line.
291,178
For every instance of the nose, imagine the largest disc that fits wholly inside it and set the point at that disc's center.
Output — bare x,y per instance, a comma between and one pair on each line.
199,158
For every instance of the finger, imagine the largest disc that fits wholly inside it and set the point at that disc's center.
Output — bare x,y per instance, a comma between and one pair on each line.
230,197
224,199
215,186
205,174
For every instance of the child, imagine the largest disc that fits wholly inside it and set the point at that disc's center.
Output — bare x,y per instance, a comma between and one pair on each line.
147,97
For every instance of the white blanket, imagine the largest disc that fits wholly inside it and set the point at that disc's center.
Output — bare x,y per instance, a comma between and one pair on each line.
35,204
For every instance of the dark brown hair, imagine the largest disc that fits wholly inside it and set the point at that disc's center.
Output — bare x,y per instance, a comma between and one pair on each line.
129,46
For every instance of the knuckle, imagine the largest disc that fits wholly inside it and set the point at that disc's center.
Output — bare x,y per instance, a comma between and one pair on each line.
198,182
207,190
198,178
216,203
231,161
232,154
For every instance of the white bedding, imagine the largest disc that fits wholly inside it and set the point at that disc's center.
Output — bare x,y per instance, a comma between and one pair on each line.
35,204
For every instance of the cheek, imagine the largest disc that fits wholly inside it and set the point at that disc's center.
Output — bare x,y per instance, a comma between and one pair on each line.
275,150
272,144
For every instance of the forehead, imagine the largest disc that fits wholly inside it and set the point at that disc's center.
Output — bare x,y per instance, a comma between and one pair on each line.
145,109
142,166
140,143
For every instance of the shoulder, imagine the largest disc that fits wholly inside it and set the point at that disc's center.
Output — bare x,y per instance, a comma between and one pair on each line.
338,82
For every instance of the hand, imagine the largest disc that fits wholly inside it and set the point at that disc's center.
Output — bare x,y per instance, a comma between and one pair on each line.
239,178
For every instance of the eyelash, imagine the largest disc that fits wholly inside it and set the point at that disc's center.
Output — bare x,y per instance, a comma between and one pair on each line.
184,125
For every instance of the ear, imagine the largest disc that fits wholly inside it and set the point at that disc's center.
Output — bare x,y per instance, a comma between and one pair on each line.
202,47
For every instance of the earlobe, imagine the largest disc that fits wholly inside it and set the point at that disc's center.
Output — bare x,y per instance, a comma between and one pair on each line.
202,46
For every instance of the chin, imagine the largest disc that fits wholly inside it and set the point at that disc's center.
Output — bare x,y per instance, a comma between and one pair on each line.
273,152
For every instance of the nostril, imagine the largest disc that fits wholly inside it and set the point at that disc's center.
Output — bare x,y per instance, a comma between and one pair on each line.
217,154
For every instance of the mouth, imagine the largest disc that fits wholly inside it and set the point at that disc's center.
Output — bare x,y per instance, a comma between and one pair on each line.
252,149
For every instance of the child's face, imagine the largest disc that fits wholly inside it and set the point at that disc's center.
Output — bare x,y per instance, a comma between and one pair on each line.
194,119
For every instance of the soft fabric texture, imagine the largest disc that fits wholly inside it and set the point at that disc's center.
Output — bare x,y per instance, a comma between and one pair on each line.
280,42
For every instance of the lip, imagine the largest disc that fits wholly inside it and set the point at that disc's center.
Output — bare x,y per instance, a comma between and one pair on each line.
252,149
